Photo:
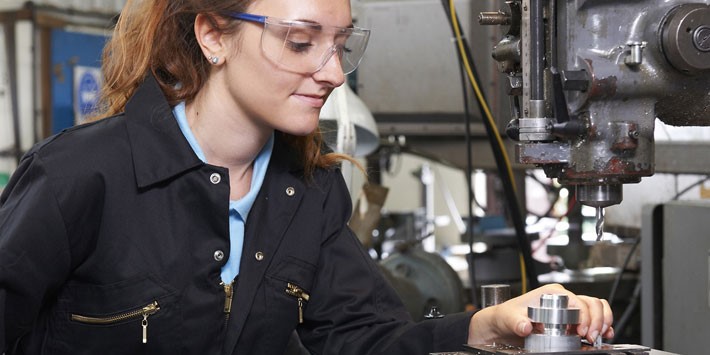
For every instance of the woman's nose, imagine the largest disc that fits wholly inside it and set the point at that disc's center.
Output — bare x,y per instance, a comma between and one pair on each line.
332,71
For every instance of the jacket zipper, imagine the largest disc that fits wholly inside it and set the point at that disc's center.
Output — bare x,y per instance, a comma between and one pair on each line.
138,313
301,296
228,296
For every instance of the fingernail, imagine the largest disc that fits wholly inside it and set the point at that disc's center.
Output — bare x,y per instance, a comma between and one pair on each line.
582,330
611,333
521,327
594,335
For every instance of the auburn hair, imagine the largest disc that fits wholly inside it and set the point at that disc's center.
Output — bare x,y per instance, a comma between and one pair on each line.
157,36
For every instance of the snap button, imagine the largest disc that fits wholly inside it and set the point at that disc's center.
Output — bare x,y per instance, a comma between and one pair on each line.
259,256
215,178
218,255
290,191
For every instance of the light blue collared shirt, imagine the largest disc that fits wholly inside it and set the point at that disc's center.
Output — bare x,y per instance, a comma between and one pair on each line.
238,210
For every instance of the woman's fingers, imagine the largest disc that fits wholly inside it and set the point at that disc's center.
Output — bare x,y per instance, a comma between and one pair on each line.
510,319
595,317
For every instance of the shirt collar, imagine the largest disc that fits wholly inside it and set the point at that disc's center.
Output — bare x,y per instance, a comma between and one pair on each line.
243,205
179,113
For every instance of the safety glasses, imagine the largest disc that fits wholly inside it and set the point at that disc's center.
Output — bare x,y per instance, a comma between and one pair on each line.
305,47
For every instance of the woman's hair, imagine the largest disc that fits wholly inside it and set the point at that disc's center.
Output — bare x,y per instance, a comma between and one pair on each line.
158,36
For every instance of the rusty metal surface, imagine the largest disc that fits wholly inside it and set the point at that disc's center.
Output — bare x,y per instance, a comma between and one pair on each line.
624,64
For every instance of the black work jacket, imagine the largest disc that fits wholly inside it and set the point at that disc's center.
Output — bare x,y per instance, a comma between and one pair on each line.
111,242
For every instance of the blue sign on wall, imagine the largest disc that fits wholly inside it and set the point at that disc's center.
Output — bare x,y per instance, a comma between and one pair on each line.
87,89
74,54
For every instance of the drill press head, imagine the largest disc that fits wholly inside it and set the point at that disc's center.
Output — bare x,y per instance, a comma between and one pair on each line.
589,79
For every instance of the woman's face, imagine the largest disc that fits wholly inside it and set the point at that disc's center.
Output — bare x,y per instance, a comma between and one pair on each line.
269,95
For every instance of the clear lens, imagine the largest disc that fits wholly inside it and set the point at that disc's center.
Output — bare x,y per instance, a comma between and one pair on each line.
305,47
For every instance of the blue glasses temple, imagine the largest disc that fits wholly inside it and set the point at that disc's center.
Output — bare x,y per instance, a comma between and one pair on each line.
248,17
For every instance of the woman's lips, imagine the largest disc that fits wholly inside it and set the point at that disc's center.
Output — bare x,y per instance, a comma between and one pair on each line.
316,101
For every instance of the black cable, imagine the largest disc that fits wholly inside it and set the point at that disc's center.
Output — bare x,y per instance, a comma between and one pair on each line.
483,207
516,215
682,192
469,182
628,312
617,280
546,186
550,189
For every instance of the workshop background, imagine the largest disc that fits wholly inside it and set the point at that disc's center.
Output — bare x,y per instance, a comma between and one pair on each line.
606,188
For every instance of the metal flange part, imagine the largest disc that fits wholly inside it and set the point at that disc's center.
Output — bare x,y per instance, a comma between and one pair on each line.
554,325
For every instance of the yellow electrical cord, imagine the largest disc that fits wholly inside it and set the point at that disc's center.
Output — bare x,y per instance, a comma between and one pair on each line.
489,117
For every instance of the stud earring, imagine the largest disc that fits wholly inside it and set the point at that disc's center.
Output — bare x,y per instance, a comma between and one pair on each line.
213,60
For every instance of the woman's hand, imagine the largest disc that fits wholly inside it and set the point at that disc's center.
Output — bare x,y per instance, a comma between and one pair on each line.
508,322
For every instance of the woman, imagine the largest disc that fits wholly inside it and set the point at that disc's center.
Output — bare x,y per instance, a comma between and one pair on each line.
200,216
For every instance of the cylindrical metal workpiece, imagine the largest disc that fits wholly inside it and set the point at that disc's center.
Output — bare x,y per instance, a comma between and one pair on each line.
492,295
554,316
552,343
554,325
554,301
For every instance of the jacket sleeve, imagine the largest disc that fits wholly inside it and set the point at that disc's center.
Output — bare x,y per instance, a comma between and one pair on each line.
34,250
354,310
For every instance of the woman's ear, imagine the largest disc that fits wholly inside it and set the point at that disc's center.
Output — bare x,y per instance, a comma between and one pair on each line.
211,40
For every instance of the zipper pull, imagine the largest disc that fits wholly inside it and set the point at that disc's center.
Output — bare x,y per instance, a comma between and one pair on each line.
148,310
228,295
145,328
296,291
300,310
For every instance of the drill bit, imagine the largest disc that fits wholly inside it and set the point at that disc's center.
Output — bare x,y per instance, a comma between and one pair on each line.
600,223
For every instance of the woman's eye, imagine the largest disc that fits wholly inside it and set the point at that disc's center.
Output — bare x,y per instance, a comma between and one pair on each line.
299,46
342,50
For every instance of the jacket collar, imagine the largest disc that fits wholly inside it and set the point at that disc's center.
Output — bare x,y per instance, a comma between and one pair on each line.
160,151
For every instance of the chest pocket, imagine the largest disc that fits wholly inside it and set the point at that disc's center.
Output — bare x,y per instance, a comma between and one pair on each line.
288,290
134,316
